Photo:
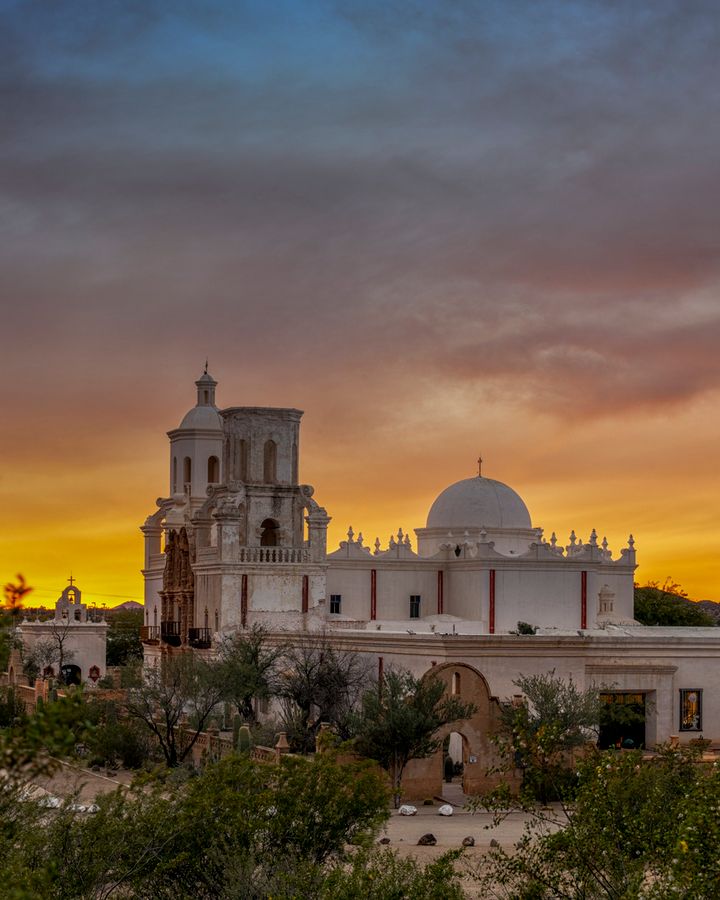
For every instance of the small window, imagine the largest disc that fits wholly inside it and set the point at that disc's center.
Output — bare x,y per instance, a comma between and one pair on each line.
335,601
456,684
174,487
691,709
414,606
213,470
187,470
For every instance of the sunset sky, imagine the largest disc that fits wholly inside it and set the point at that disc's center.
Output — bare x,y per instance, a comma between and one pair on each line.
439,227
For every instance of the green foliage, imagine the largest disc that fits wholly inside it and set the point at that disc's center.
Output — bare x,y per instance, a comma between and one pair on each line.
537,734
400,721
53,731
175,702
525,628
124,647
243,744
382,875
636,829
12,708
239,830
668,605
115,741
248,669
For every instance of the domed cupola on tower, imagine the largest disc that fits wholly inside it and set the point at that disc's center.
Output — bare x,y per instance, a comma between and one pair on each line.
478,509
196,445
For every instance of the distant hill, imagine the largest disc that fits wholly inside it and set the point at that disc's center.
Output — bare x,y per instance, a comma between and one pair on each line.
128,606
711,607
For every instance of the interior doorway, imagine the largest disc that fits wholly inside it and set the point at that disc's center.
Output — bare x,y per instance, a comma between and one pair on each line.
622,720
454,759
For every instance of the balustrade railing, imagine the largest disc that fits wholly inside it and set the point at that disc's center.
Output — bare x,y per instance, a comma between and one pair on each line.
170,633
200,638
149,633
292,555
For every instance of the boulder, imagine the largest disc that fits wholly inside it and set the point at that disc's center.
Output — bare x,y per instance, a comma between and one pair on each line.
445,810
385,840
407,810
468,841
427,840
494,843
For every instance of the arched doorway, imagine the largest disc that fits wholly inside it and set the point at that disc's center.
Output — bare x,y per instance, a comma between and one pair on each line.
454,758
425,777
269,533
70,674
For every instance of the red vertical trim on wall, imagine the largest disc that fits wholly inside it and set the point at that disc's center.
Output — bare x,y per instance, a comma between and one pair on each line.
381,674
491,615
373,594
440,593
305,592
243,602
583,600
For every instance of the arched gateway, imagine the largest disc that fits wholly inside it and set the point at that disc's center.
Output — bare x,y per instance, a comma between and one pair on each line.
424,777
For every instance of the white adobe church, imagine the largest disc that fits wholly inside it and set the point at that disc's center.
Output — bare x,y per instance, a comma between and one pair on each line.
238,539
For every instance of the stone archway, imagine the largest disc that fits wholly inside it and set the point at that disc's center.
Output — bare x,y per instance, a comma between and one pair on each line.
424,777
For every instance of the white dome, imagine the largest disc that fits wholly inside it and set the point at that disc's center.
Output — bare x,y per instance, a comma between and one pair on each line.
205,417
478,503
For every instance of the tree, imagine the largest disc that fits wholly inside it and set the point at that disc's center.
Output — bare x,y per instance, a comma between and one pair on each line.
399,721
248,667
15,594
536,734
124,647
636,828
319,684
668,605
160,698
239,829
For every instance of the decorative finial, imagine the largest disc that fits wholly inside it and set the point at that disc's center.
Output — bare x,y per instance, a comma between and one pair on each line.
593,537
71,580
359,541
400,535
350,534
605,544
391,542
631,542
480,462
377,545
573,537
553,540
206,366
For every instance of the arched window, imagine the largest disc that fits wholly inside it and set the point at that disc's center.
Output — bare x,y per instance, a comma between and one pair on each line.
174,486
213,470
269,534
270,463
456,683
187,470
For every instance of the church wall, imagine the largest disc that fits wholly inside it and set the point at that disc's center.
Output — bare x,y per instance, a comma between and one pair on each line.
466,594
547,596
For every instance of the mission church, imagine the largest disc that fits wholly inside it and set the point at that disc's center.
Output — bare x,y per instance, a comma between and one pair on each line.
238,539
